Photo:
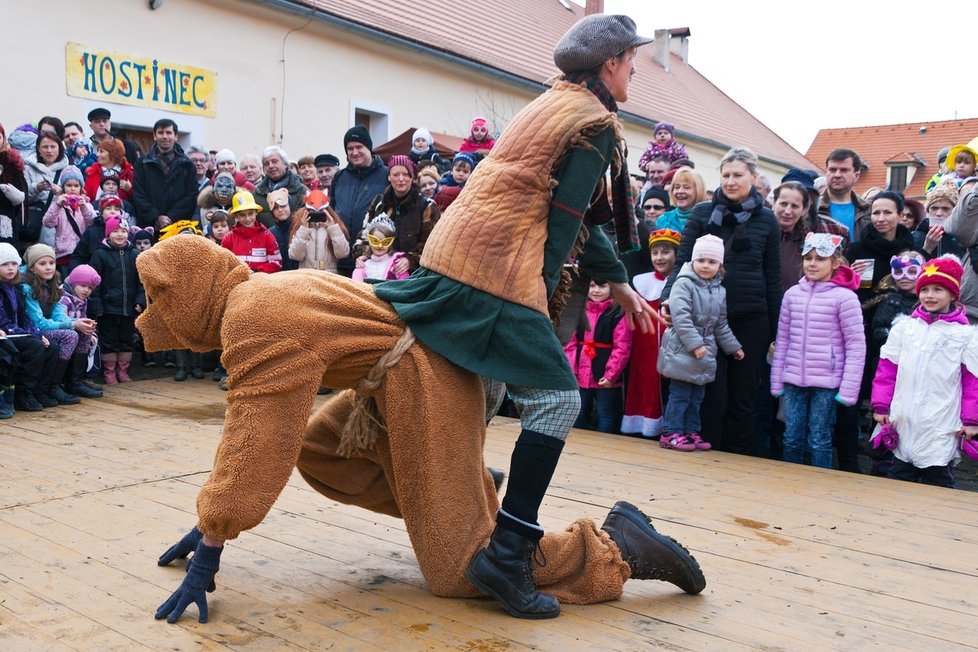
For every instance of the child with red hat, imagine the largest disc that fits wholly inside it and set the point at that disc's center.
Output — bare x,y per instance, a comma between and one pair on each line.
926,387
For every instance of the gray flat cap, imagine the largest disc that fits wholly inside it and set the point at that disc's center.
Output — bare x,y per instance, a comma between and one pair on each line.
595,39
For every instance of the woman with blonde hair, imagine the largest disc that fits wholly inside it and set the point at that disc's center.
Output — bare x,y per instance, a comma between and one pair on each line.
687,190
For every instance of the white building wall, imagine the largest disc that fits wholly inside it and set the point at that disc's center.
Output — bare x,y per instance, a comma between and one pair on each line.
305,103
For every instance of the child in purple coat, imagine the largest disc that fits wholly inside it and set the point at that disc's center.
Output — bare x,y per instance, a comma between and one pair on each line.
820,350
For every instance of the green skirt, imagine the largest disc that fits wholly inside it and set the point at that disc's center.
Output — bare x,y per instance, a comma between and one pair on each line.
479,332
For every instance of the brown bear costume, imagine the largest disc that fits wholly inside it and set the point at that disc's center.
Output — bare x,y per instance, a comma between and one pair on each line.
284,335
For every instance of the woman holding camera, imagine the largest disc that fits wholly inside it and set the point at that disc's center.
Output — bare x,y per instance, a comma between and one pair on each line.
318,238
413,215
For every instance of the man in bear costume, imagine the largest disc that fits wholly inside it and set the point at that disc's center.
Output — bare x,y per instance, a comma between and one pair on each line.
491,280
435,421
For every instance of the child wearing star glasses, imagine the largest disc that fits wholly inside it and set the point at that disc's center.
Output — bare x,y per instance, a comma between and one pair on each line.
896,294
379,265
926,387
820,350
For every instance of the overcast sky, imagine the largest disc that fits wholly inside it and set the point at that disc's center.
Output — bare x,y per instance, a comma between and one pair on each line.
800,67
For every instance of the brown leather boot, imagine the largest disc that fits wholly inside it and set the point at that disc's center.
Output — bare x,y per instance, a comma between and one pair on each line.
650,555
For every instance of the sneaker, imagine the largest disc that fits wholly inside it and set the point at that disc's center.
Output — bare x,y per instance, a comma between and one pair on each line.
223,385
700,443
677,441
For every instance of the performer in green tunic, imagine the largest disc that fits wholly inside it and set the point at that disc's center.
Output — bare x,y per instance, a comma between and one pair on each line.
492,273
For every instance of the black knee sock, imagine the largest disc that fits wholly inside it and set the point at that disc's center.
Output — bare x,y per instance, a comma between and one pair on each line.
531,469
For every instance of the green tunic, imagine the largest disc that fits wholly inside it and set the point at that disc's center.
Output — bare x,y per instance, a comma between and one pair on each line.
498,338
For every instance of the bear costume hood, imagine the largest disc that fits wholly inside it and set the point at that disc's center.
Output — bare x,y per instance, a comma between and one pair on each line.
177,317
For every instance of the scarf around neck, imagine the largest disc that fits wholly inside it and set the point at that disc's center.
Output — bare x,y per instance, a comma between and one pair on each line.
622,206
739,213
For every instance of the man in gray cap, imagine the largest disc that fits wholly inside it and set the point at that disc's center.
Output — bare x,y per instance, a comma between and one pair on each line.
492,282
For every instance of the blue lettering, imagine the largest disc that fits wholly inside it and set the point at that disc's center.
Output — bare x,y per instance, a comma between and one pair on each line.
125,88
88,62
170,92
156,85
107,64
139,68
197,102
184,83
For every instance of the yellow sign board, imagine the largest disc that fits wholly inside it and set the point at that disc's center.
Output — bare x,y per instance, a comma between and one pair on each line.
139,81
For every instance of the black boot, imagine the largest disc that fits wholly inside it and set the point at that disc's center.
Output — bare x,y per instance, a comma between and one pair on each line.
41,395
497,477
75,383
196,365
6,402
650,555
503,571
53,384
25,401
181,356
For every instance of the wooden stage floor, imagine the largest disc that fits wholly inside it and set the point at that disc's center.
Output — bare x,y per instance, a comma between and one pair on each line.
796,558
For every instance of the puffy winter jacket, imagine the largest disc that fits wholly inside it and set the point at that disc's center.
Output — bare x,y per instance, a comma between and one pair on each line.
620,349
351,194
65,238
821,341
926,384
120,290
699,318
319,247
753,275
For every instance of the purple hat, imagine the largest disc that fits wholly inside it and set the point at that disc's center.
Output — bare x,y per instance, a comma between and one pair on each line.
84,275
402,160
659,126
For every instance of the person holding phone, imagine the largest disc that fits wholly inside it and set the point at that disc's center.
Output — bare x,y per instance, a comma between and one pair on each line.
319,238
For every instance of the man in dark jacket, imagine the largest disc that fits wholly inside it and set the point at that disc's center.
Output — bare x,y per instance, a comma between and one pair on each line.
363,178
165,188
99,119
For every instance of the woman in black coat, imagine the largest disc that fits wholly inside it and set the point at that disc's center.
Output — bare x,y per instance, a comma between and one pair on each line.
752,261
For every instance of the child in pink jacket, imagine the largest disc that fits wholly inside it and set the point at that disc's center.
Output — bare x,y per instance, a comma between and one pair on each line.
598,355
69,215
820,350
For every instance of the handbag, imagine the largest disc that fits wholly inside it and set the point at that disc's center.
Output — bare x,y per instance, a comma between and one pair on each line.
30,231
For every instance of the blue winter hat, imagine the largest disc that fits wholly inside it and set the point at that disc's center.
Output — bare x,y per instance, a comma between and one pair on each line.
804,177
464,157
71,172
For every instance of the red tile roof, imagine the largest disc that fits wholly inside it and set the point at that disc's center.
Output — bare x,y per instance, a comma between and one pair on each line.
517,37
880,144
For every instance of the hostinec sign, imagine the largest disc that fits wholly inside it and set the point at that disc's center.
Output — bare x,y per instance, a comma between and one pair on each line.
139,81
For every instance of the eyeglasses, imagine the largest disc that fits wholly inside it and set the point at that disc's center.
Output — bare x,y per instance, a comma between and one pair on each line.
384,243
654,207
908,267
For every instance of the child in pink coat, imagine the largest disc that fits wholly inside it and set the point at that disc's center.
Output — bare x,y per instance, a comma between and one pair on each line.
69,215
598,354
379,265
662,145
820,350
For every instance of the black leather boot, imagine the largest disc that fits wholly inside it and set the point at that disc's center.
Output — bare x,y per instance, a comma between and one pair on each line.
75,382
53,384
503,571
497,477
182,357
649,554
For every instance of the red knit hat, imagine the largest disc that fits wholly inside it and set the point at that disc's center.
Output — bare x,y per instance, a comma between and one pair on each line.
402,160
945,271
